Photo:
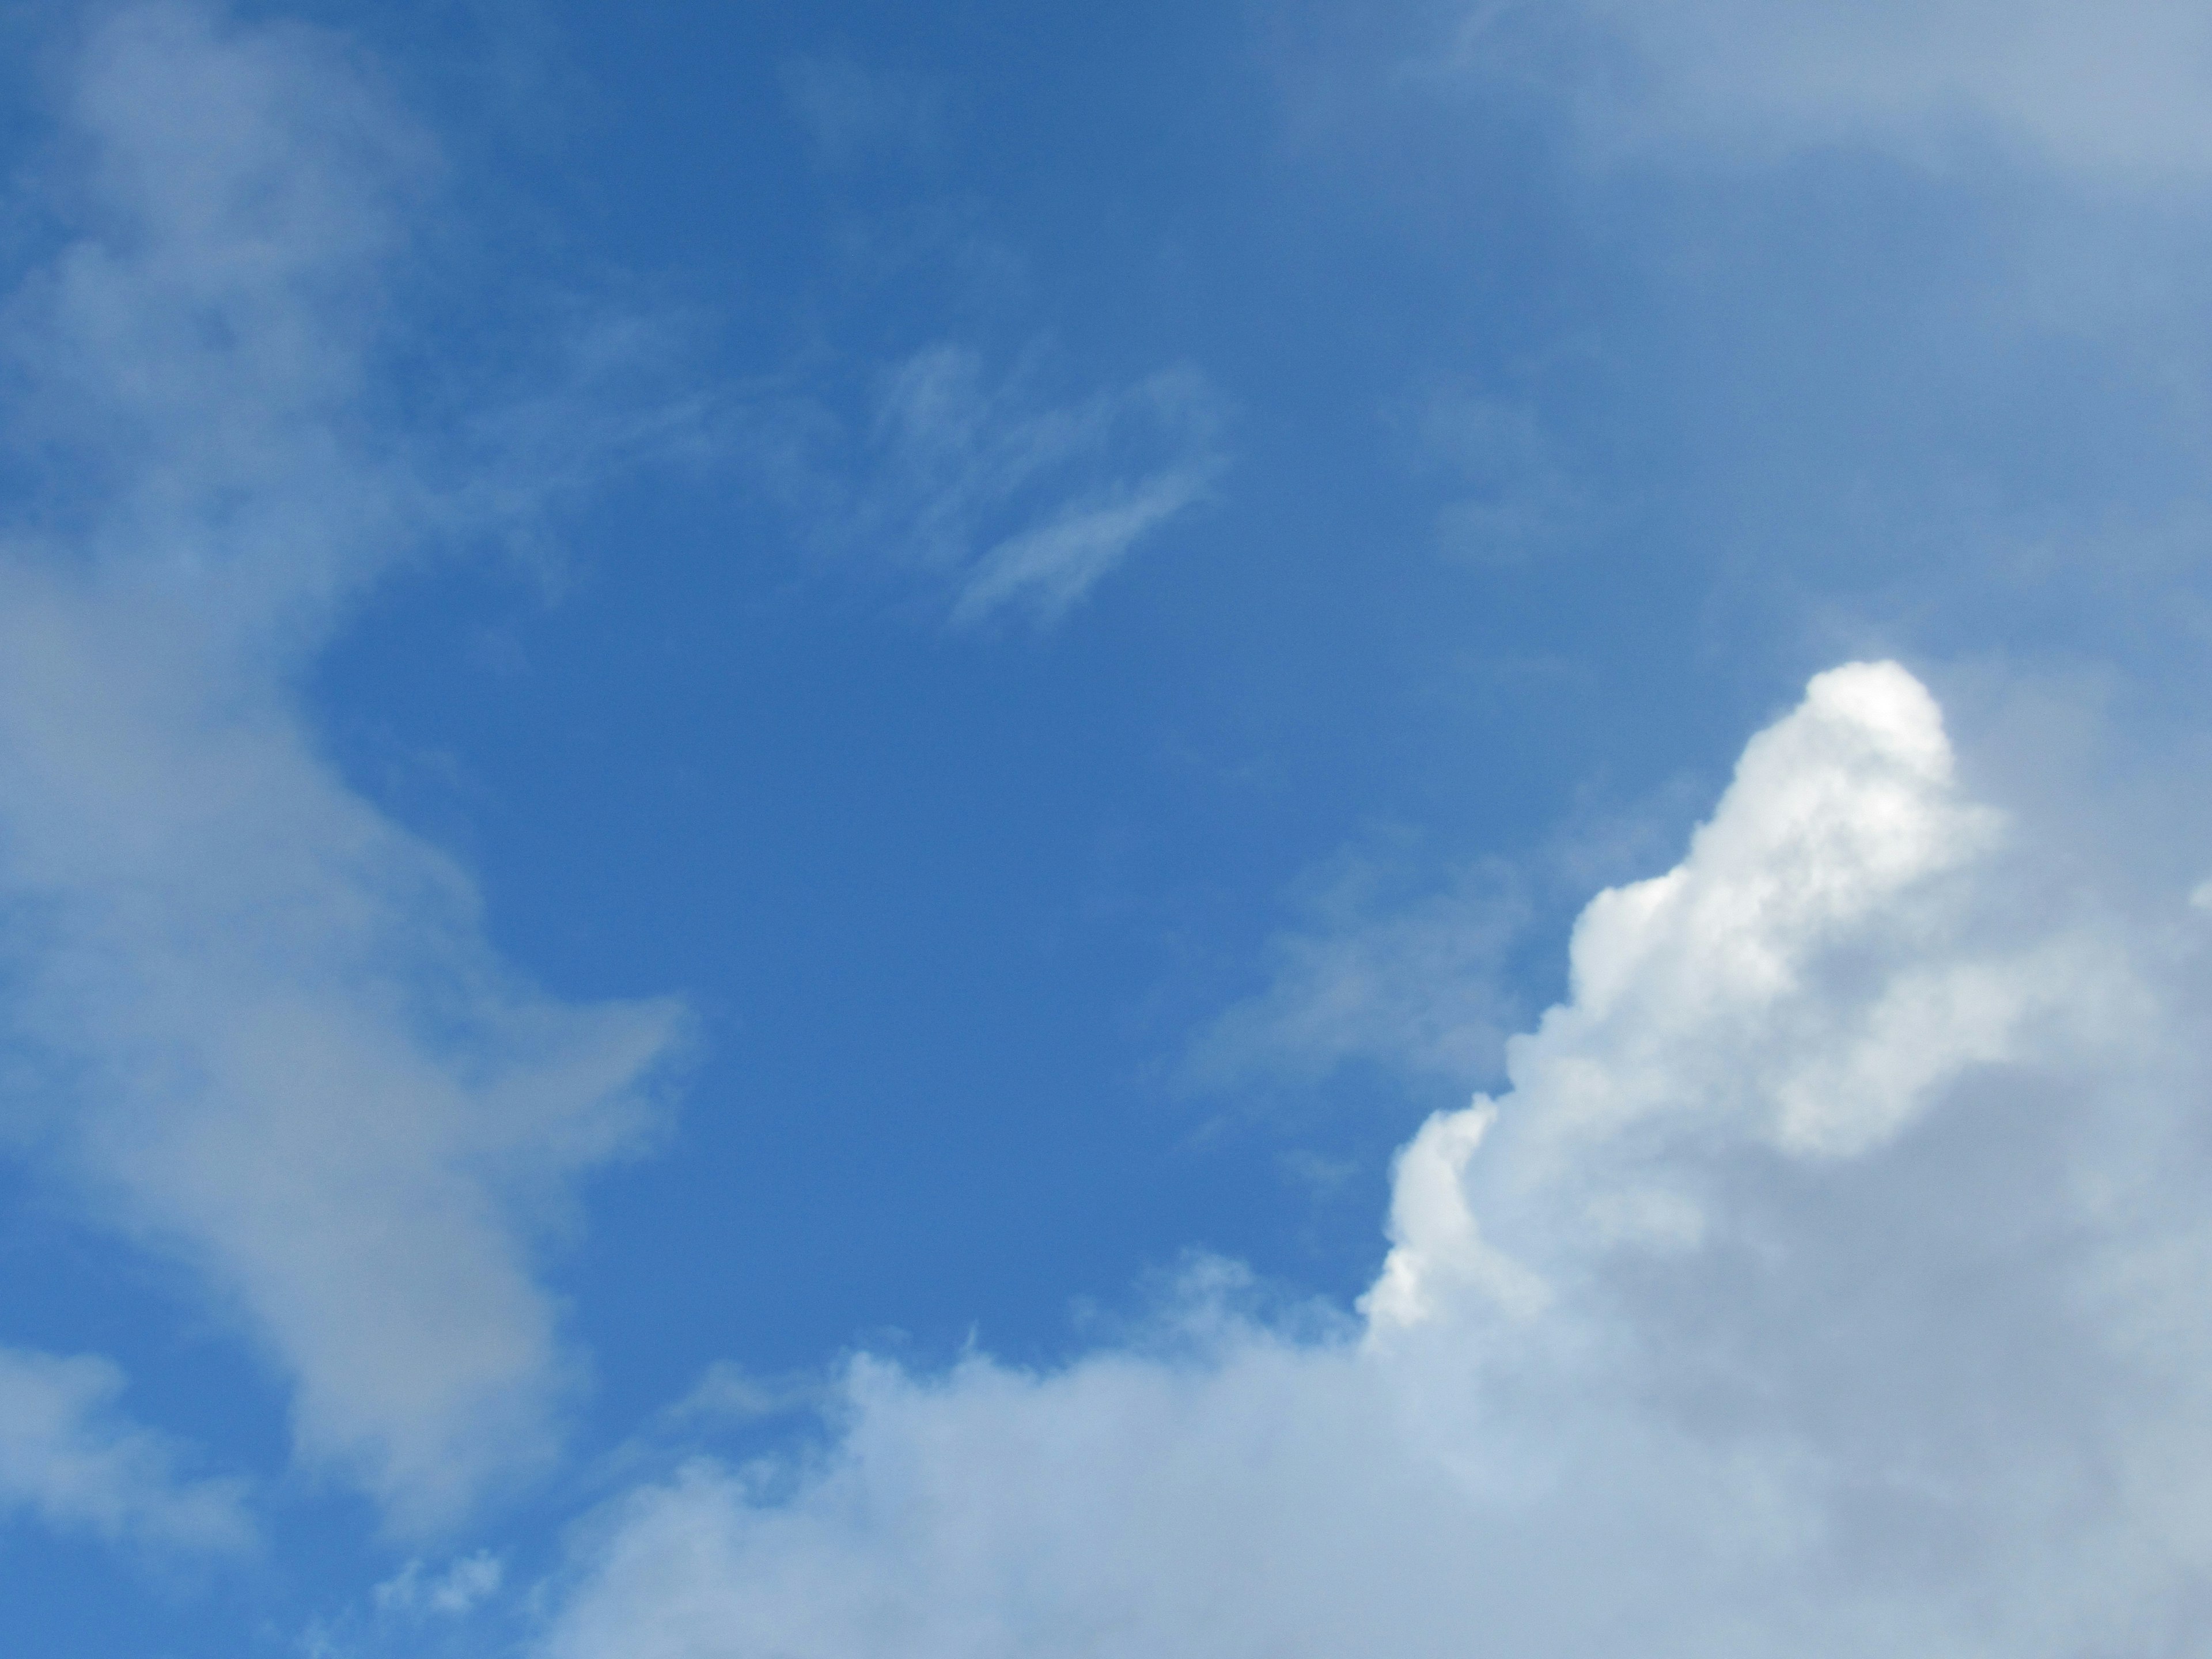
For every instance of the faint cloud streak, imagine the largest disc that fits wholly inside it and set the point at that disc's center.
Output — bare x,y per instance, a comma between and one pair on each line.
69,1458
1009,502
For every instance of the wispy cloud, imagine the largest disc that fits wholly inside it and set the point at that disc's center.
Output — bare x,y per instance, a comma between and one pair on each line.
1417,983
416,1591
2112,94
1010,502
1822,1284
268,1036
854,113
68,1456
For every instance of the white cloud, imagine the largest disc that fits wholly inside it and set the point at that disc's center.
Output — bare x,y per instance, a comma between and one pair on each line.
2117,91
268,1035
68,1457
1828,1282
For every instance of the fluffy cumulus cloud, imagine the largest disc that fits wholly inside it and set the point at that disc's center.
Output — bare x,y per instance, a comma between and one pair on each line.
254,1025
1826,1282
68,1457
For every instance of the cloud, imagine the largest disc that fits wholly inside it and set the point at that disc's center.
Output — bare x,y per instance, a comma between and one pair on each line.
68,1457
1417,985
1007,496
1825,1283
2113,94
1009,501
454,1594
264,1033
727,1393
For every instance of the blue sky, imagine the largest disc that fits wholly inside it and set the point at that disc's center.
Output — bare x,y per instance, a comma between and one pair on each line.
770,780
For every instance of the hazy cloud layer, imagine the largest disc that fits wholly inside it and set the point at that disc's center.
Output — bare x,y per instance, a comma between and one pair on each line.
1824,1285
2113,94
265,1034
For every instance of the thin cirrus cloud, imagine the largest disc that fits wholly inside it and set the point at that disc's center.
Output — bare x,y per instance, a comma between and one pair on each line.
1003,500
1008,500
262,1034
1823,1283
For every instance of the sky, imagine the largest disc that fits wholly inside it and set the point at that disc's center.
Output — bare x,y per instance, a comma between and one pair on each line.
1273,831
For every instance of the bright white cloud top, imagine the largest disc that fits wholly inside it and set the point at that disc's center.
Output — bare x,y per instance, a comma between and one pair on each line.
1762,1315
